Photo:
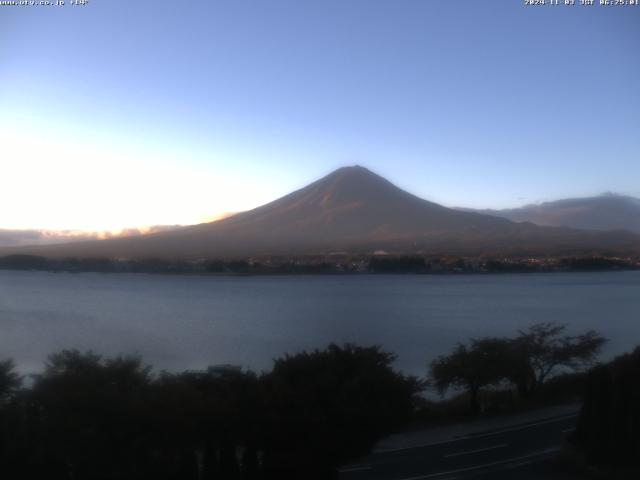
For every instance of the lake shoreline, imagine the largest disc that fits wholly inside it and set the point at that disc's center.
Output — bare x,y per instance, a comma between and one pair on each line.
323,266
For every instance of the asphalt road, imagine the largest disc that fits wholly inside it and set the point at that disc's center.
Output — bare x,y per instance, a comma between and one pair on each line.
484,455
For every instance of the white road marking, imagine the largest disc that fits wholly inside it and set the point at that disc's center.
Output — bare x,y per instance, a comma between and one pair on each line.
469,452
480,435
518,460
567,430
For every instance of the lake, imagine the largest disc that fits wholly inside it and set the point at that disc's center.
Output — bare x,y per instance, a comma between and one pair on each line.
189,322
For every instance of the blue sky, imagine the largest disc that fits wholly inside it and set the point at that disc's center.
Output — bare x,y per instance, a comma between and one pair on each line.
118,114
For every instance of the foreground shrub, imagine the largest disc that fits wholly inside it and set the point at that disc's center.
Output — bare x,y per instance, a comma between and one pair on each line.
609,425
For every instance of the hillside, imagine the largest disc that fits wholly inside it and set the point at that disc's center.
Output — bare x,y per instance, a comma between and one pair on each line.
604,212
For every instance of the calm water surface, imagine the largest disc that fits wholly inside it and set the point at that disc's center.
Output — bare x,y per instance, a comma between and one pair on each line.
181,322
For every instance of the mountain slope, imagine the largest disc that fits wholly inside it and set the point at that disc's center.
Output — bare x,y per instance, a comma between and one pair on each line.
350,210
605,212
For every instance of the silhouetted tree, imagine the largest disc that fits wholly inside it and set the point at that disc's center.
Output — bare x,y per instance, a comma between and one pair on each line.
10,381
229,416
526,361
471,367
542,350
329,406
91,415
609,423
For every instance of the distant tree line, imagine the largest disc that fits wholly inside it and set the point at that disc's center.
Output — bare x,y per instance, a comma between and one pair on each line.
87,417
345,264
594,263
398,265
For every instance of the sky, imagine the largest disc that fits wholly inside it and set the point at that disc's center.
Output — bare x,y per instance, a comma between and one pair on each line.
119,114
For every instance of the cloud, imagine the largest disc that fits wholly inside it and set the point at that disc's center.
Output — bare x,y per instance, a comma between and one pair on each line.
12,238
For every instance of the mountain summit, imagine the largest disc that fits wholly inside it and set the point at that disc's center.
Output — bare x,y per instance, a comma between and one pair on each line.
348,205
350,210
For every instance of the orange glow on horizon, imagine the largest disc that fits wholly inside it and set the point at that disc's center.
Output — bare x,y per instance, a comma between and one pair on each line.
215,218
